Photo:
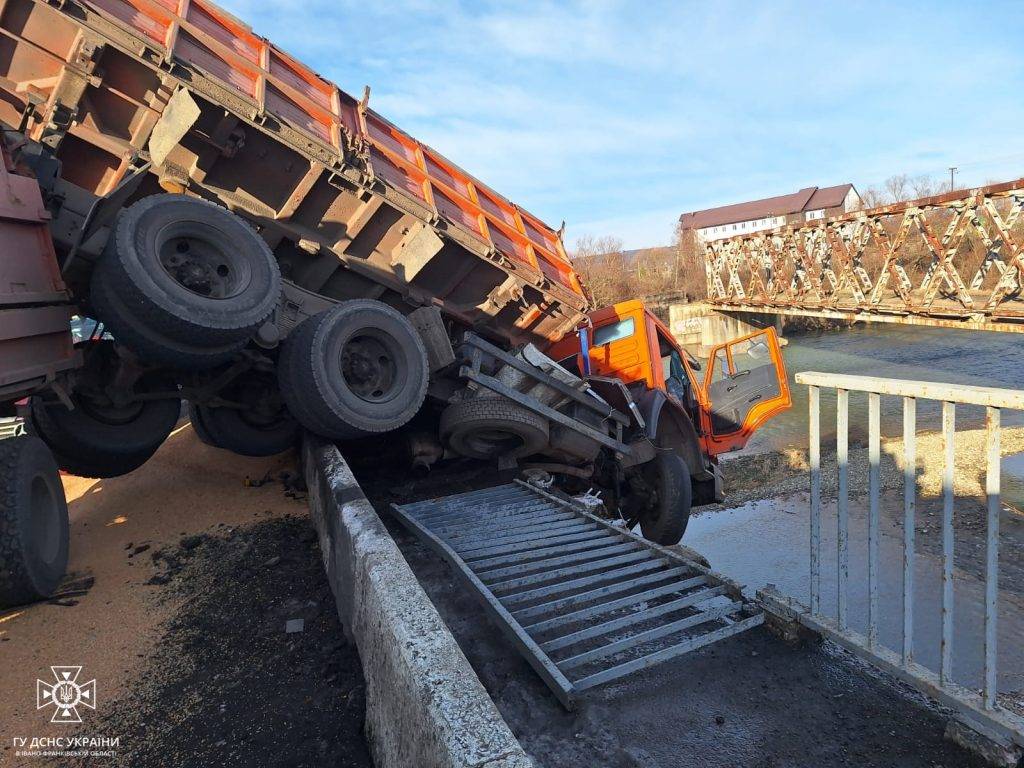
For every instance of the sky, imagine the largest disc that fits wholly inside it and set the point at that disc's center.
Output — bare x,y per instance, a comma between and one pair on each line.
617,117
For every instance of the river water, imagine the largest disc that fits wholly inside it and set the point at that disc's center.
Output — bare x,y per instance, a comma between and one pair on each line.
979,358
768,542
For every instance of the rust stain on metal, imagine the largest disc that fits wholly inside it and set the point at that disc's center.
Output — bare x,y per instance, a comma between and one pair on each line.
905,262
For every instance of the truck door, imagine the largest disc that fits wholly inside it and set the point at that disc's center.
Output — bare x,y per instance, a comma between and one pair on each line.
745,385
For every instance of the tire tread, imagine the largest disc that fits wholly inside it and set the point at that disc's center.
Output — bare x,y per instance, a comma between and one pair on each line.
302,388
172,336
17,586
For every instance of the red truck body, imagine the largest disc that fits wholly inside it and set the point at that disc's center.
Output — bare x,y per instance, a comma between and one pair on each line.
35,309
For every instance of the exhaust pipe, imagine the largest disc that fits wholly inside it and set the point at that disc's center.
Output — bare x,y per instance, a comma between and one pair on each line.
424,451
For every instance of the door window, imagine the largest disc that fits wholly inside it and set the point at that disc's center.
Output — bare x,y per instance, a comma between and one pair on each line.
617,331
676,381
744,387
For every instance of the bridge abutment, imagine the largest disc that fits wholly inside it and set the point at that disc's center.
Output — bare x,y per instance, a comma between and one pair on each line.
699,327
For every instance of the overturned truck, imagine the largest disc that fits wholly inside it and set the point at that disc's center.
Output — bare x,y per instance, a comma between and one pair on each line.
255,241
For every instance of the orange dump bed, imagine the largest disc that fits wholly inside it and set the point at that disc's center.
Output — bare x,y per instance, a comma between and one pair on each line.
274,141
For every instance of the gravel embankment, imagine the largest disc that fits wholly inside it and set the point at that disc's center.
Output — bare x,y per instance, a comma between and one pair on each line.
228,684
769,475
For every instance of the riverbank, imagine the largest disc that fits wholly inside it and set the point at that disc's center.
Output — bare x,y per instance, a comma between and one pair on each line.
777,473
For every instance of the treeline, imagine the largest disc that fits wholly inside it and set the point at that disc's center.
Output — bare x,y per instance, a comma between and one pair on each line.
614,274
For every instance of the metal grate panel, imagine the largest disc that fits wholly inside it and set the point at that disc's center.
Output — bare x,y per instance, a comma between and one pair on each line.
584,601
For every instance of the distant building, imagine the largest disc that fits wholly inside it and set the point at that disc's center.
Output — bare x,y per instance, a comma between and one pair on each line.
808,204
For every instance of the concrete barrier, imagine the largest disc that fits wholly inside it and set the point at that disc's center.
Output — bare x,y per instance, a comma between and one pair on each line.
425,706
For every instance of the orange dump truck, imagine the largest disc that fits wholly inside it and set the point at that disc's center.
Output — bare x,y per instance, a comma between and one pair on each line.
255,241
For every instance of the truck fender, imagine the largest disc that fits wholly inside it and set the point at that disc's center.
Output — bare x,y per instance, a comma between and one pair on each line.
669,426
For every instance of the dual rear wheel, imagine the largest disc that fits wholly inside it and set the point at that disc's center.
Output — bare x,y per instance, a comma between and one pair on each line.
185,285
108,430
254,423
357,369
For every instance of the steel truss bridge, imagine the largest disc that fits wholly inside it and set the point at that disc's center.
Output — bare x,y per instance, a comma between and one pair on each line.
952,260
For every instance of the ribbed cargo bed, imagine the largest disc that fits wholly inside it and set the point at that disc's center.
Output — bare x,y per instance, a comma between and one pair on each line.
352,206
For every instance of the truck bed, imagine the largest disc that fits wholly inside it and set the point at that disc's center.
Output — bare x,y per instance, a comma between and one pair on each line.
35,311
352,206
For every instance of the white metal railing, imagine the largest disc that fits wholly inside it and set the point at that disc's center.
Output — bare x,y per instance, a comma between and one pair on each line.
982,712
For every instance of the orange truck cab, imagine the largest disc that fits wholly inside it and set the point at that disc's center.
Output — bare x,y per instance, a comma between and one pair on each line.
713,408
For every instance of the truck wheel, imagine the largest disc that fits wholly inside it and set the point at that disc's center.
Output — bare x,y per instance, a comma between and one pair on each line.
264,428
183,282
99,439
665,519
489,427
33,522
196,417
356,369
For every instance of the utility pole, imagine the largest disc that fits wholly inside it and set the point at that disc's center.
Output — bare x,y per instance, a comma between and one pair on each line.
952,171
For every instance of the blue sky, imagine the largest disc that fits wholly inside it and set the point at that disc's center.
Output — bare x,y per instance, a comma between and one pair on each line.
619,116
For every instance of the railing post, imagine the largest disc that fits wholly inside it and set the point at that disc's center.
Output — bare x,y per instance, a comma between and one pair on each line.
874,438
948,443
842,504
992,490
814,457
978,706
909,509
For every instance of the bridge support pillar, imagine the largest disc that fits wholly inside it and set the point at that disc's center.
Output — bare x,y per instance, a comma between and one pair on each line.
699,327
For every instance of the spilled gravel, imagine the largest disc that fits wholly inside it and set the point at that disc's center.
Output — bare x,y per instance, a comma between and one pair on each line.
228,684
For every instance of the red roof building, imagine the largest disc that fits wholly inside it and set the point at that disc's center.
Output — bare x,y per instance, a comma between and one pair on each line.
742,218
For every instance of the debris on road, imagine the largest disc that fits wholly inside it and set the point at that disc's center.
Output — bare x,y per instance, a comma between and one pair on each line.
240,692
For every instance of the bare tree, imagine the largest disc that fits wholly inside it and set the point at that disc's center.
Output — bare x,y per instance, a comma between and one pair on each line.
601,263
689,275
927,186
872,197
589,246
898,188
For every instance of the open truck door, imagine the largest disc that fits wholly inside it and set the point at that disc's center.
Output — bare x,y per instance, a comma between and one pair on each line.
744,386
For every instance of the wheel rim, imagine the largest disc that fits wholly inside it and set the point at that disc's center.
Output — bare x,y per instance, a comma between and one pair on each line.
45,519
192,256
267,411
105,412
493,442
369,365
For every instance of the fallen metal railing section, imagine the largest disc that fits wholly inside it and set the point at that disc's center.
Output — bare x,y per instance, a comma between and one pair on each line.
951,259
584,601
11,428
980,711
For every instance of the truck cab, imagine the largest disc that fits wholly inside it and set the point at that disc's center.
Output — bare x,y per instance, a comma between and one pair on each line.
741,386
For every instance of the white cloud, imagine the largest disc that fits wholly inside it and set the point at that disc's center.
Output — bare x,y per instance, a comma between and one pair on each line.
618,116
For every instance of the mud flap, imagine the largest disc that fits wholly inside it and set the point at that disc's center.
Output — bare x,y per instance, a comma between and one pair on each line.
179,116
